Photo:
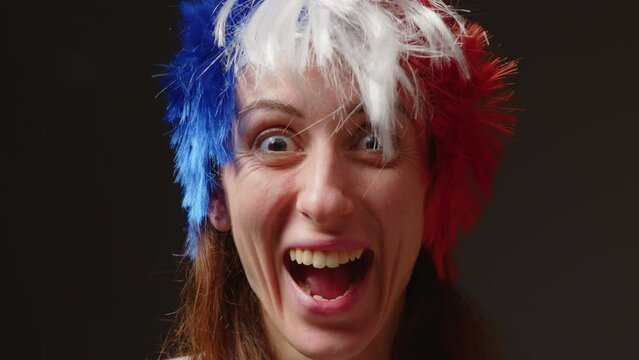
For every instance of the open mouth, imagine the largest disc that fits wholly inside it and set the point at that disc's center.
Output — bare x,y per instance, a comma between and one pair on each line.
327,275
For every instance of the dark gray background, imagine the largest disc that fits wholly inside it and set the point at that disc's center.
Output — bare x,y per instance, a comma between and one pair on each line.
91,216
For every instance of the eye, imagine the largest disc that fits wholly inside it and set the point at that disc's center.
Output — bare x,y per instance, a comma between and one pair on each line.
277,143
369,142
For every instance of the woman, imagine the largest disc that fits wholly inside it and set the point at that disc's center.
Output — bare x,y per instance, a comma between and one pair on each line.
328,152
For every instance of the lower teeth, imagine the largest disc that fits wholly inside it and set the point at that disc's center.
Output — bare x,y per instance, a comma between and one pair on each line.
356,274
307,290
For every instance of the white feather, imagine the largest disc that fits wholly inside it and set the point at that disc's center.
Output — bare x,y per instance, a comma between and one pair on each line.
364,38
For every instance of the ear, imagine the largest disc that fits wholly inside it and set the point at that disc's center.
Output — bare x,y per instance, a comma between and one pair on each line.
218,214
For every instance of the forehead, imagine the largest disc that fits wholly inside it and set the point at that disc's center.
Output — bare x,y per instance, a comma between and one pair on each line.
315,95
309,91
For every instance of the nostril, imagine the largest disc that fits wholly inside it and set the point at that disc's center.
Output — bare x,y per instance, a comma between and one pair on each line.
325,184
325,207
305,214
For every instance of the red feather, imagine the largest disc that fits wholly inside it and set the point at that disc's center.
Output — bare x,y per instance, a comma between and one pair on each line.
469,120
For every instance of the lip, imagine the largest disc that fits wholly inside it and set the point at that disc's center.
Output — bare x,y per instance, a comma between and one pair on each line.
338,306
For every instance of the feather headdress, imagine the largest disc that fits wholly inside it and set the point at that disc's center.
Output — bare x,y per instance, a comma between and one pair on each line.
421,47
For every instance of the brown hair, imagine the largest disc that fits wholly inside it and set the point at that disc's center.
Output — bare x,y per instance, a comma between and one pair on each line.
220,316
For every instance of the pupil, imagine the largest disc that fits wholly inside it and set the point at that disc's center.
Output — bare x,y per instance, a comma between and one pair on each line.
277,145
372,143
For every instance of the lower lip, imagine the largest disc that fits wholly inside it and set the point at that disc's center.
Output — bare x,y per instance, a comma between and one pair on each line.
338,306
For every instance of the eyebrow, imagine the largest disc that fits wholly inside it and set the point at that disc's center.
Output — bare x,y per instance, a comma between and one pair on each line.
293,111
272,105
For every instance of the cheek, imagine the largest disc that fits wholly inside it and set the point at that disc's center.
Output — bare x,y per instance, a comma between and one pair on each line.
250,199
402,208
401,214
257,209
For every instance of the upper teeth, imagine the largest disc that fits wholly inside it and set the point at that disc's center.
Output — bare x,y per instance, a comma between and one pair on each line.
321,259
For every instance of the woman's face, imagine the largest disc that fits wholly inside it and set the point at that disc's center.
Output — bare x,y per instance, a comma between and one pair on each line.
326,231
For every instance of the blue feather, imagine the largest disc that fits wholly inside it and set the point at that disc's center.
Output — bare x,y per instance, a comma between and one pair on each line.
200,93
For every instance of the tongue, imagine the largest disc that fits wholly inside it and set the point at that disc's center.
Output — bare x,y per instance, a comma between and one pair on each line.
327,283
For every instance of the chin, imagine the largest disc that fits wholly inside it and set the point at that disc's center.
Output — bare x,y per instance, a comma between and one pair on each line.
325,344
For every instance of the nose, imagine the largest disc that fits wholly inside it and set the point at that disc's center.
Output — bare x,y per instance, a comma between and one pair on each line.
324,196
